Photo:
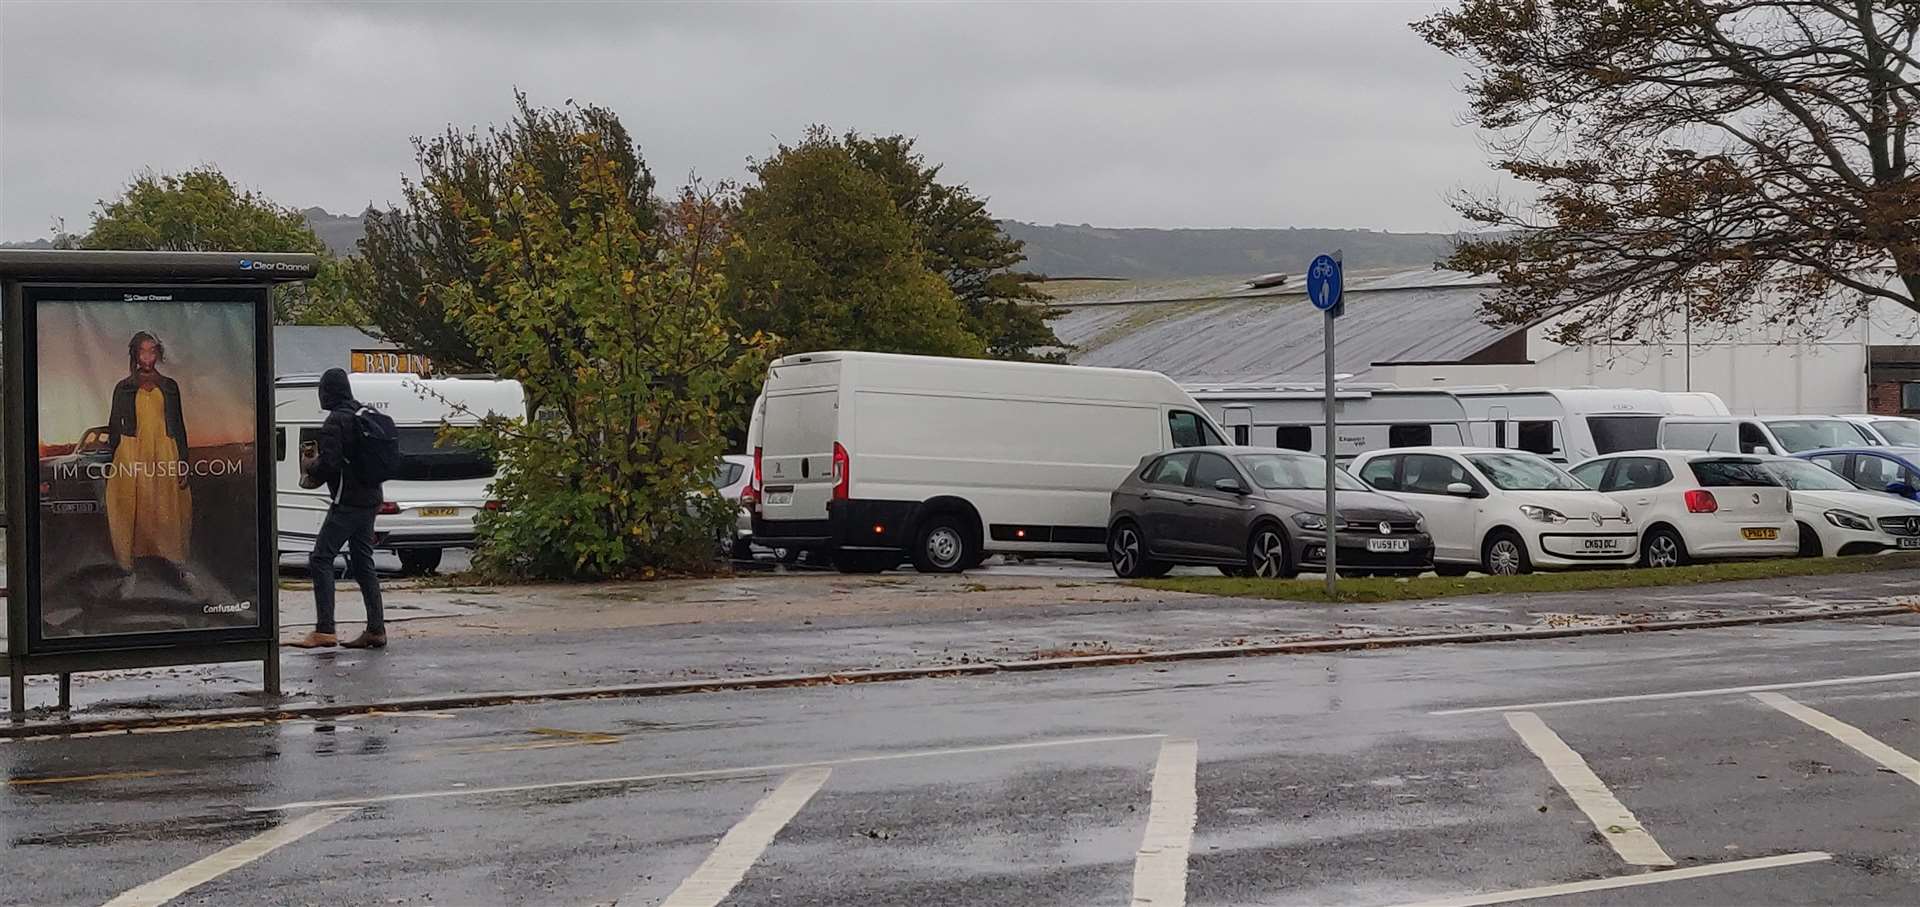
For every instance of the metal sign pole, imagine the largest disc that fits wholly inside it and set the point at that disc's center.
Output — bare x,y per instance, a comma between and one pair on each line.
1326,285
1332,517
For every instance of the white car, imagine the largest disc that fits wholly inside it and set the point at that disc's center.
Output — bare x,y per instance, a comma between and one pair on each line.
731,477
1839,518
1501,511
1694,505
1892,431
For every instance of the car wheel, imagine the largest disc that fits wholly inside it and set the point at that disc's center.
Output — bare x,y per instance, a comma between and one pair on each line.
1268,555
419,561
1127,552
1451,570
865,561
1505,554
743,549
1809,541
942,545
1663,547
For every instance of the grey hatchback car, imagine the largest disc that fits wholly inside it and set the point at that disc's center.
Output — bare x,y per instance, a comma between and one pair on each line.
1256,512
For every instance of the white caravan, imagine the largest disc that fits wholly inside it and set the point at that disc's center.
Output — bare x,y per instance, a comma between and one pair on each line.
877,457
1569,425
1369,416
431,504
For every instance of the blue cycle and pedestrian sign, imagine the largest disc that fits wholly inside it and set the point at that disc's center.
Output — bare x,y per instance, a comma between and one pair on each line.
1325,284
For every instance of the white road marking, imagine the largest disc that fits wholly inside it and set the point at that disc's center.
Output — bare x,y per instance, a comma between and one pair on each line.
1160,869
180,881
1898,762
743,844
1688,694
708,773
1609,816
1646,878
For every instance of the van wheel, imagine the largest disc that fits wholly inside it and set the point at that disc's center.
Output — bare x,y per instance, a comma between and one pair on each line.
419,561
1664,548
1505,554
943,545
1809,541
1127,551
1269,556
865,561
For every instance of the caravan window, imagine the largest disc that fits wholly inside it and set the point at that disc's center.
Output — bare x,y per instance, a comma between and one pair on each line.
424,458
1410,436
1538,437
1293,437
1613,434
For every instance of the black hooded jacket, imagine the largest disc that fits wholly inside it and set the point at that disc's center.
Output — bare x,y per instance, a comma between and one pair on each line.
338,443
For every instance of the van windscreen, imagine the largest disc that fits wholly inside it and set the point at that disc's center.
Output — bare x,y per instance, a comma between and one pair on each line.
1613,434
423,458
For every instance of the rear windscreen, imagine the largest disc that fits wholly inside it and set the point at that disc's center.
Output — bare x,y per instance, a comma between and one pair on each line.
1726,473
423,458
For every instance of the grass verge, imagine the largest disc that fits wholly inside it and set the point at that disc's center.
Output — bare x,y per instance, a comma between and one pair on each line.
1382,589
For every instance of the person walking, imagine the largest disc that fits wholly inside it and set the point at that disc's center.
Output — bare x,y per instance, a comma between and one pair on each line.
349,522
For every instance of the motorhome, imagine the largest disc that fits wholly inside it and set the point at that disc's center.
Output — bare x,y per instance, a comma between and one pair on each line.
875,458
1569,425
1368,416
431,504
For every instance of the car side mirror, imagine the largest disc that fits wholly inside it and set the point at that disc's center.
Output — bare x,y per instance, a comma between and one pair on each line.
1461,489
1760,449
1229,486
1900,488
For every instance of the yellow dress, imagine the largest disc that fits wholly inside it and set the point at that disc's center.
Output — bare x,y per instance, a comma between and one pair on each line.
148,513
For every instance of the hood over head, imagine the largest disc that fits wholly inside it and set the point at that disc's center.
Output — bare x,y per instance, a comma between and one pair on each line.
335,388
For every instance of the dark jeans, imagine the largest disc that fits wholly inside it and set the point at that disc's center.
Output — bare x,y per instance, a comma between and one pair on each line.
352,527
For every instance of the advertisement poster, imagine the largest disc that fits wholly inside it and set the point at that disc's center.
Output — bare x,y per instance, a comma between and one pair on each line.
146,407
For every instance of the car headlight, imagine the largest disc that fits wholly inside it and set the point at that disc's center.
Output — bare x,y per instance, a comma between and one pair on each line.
1542,514
1419,522
1847,519
1625,516
1316,522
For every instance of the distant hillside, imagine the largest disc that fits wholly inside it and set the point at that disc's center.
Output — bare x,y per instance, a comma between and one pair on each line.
1069,251
1063,250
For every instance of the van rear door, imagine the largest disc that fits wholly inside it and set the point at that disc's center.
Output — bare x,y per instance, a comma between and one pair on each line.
797,434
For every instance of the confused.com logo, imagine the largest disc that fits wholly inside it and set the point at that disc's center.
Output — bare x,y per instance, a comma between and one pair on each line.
249,264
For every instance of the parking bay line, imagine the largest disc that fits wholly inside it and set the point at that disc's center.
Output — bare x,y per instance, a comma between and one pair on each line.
1609,816
193,875
1687,694
743,844
1160,868
1864,743
704,773
1656,877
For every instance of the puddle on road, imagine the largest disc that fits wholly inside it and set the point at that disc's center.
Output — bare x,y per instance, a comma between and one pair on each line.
212,826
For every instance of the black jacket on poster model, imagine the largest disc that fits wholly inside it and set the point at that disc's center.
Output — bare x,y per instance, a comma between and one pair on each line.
339,436
122,423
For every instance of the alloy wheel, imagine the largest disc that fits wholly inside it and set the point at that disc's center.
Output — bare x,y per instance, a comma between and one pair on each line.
1125,551
1269,554
1663,551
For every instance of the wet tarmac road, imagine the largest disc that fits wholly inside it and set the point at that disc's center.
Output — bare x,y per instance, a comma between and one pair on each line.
1268,781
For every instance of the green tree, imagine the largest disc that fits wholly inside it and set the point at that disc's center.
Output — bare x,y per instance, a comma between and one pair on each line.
827,261
963,243
413,254
201,210
619,329
1728,159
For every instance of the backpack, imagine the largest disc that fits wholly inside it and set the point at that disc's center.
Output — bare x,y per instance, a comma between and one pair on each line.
376,448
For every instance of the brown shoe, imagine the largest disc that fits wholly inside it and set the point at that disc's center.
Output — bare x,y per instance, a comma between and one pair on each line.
316,640
367,640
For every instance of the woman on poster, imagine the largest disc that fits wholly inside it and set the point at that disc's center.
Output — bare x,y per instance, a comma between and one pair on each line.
149,508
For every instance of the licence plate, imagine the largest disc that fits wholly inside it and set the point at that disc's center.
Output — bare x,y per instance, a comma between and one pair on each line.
1390,545
1765,534
439,511
1910,542
779,498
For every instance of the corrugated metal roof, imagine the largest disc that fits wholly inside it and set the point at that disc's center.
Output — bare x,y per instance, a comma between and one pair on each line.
1423,316
312,349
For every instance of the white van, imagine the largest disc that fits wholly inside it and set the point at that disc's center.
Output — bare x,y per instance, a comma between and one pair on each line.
1370,416
876,457
1888,431
1570,425
1782,435
431,504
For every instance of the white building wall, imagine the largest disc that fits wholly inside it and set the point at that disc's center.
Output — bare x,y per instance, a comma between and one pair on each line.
1755,368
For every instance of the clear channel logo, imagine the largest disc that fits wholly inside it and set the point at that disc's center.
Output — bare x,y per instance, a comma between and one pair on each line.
252,264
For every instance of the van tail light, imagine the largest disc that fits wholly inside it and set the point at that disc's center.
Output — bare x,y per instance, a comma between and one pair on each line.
1700,500
842,473
759,482
389,508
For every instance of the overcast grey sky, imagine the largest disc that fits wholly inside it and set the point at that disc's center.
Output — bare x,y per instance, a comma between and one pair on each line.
1328,114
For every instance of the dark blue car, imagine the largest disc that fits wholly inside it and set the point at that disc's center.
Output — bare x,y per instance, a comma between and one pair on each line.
1894,470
